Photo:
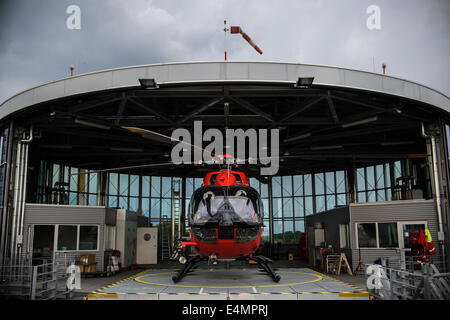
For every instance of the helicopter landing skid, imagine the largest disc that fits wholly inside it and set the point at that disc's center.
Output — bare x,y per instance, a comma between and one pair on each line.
187,268
264,263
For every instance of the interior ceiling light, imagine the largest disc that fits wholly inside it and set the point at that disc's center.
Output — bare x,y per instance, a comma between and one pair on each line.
303,136
326,147
92,124
149,83
304,82
126,149
357,123
396,143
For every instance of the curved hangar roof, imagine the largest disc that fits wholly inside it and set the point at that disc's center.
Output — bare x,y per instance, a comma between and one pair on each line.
344,114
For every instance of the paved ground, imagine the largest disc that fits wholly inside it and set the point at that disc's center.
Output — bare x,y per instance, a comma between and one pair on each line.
238,281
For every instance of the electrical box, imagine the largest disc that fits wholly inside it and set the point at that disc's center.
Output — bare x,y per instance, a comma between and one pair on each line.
147,246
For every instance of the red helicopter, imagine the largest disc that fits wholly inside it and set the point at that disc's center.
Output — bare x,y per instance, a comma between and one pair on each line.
225,217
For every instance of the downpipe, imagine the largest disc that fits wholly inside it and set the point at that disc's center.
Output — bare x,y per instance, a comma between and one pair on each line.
19,198
436,187
24,177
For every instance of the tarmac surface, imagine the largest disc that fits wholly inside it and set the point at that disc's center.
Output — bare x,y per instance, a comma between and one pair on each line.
230,282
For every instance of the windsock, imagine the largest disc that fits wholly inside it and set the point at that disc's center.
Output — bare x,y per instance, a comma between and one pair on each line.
237,29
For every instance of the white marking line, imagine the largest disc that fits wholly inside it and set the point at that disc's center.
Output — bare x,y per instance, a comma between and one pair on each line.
201,291
254,290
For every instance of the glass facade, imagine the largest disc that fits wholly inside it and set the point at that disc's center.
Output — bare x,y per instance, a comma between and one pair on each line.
293,197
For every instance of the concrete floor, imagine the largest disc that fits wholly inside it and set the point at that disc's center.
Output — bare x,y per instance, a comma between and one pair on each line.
234,282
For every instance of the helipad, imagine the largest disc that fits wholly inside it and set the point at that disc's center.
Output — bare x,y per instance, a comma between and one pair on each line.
230,284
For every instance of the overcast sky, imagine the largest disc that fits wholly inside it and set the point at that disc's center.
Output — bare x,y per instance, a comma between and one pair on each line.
37,47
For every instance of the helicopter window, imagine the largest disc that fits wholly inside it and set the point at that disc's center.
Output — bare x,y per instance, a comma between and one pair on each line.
240,208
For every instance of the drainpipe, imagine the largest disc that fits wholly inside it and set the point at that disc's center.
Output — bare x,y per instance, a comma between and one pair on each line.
25,143
15,203
436,185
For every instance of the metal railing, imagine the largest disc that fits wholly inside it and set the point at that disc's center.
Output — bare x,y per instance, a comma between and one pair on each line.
34,282
426,283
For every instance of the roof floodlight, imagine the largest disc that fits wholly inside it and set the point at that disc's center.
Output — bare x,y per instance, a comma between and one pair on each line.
303,136
149,83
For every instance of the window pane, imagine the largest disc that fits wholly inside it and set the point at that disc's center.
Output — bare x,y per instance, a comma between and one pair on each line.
55,173
155,208
123,181
146,207
88,237
370,176
320,203
380,176
298,185
134,186
360,179
299,210
277,230
367,235
92,182
264,190
308,206
319,183
307,184
299,226
341,199
276,186
371,196
329,181
388,237
67,238
166,207
331,202
287,186
156,186
113,183
145,186
266,207
340,182
74,179
134,204
287,208
189,187
92,201
288,231
166,190
361,197
265,235
277,208
123,202
112,201
381,195
254,183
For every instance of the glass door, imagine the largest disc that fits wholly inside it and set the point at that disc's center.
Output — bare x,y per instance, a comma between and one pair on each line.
405,231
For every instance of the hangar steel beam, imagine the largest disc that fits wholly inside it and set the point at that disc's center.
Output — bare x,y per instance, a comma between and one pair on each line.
332,108
301,109
200,109
150,110
247,105
121,109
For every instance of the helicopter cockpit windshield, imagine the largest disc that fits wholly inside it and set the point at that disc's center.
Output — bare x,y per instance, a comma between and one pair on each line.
236,205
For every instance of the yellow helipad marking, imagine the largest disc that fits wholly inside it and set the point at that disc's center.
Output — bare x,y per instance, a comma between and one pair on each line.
138,279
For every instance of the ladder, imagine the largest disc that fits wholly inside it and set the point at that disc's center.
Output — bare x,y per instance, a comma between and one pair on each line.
165,238
176,214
